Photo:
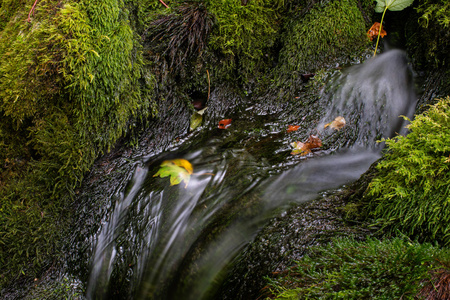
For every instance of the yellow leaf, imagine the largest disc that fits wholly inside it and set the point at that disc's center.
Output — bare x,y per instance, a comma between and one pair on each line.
337,124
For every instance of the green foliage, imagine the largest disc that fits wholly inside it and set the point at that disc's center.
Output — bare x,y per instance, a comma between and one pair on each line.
73,81
393,5
427,41
411,192
439,11
349,269
244,30
327,31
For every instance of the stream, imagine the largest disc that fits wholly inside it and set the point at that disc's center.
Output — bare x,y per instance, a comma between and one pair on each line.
142,238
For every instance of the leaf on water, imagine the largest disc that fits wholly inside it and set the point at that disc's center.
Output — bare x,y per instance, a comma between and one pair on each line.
337,124
225,123
374,30
392,5
177,169
293,128
305,148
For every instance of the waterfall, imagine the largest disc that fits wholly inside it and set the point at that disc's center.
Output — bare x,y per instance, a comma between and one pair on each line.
173,242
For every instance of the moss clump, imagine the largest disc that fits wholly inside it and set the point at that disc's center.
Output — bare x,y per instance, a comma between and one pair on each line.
318,36
244,31
411,191
70,87
349,269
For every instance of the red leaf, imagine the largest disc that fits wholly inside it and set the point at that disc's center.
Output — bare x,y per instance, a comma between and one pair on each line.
293,128
225,123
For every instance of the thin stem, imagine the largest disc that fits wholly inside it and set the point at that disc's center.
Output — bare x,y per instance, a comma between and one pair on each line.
164,3
31,11
379,31
209,85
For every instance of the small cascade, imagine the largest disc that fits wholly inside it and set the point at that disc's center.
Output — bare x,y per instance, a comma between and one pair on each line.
173,242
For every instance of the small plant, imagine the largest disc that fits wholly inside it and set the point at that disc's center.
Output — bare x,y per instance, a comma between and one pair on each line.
392,5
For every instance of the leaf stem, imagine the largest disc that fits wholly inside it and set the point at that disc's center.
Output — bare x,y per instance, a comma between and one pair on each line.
379,31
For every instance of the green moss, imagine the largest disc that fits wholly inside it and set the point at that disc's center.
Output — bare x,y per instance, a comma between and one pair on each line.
315,37
72,84
411,192
348,269
244,31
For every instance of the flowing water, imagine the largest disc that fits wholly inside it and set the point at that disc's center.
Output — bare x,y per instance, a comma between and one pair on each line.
158,241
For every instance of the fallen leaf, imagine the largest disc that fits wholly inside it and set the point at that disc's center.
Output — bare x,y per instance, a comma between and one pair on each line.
337,123
197,118
373,31
305,148
293,128
314,142
300,148
177,169
225,123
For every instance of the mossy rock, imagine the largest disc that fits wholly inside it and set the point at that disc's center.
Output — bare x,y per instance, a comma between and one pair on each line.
72,85
319,36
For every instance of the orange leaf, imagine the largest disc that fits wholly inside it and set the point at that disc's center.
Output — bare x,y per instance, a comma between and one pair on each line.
293,128
374,30
225,123
305,148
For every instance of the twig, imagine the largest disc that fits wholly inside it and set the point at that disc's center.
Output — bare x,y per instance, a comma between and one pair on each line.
209,85
164,3
31,11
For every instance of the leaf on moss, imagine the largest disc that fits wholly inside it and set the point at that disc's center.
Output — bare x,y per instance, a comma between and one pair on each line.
374,30
177,169
302,149
337,123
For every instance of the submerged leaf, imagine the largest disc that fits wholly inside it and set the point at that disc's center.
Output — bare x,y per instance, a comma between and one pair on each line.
337,123
177,169
375,29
